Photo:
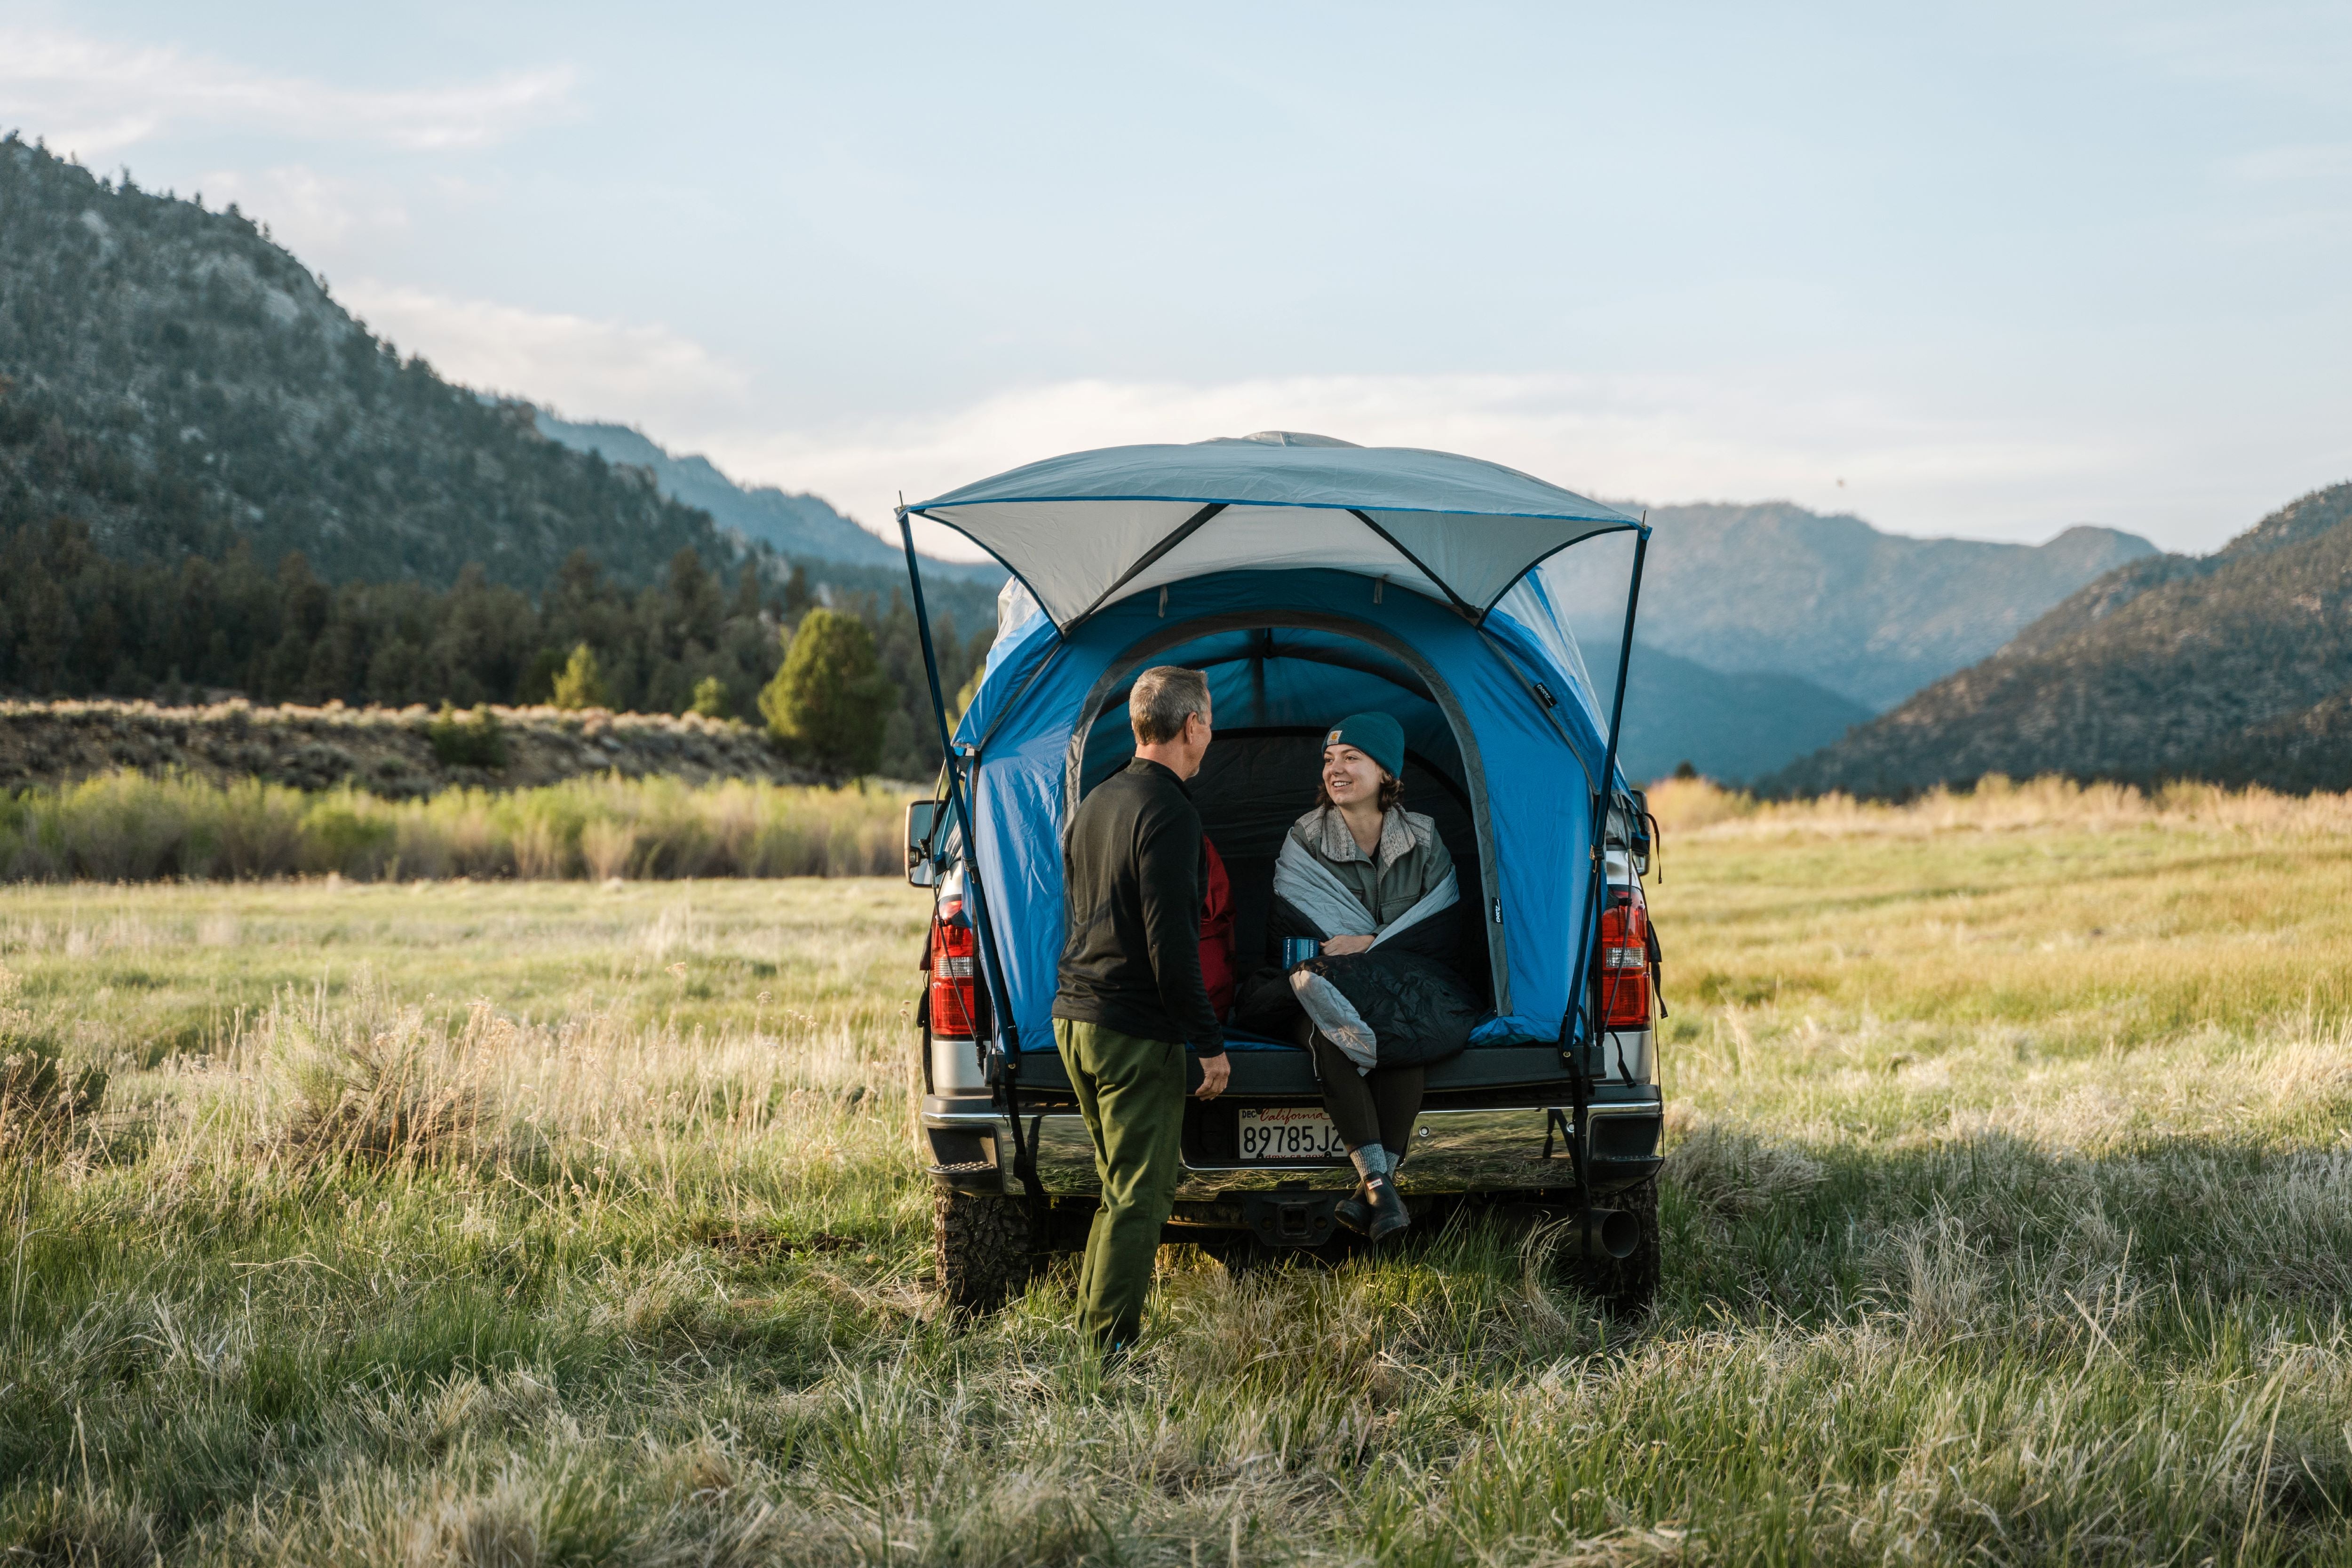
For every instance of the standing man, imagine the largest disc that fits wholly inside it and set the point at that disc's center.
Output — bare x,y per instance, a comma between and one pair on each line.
1132,996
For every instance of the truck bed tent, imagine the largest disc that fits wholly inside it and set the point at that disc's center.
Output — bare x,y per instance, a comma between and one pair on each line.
1307,579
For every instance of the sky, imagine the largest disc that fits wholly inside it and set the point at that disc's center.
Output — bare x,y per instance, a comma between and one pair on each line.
1989,271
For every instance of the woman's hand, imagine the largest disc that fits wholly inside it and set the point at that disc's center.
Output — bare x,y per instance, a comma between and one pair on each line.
1341,946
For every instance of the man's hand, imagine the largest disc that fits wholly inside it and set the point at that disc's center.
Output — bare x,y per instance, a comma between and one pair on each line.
1341,946
1214,1071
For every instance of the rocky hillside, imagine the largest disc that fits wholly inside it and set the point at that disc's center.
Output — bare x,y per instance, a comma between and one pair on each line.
391,751
1873,616
172,378
2235,666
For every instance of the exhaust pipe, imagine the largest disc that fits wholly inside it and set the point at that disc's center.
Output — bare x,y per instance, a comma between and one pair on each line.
1592,1234
1606,1232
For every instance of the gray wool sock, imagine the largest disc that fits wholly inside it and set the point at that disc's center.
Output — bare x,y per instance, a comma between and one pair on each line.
1371,1162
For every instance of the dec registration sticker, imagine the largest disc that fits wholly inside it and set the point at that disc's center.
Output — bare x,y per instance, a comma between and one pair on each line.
1290,1133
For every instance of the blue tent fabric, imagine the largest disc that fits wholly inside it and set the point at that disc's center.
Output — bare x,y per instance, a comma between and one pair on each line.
1529,764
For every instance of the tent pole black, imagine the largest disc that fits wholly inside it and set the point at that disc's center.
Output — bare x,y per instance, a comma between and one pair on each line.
1607,800
1007,1030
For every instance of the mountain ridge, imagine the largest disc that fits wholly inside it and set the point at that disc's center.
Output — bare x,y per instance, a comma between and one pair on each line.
176,381
2234,666
1773,587
795,524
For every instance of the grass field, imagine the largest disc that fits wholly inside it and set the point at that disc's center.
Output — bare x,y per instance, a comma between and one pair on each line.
2010,1220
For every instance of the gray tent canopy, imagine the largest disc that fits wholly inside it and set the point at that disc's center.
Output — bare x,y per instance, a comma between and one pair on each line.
1089,528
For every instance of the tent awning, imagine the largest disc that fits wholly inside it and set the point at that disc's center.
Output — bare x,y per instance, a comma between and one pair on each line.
1089,527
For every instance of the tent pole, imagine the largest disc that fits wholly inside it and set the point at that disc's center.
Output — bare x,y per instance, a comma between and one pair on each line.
1607,799
958,796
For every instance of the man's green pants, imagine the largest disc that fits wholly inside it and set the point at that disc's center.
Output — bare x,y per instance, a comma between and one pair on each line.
1132,1092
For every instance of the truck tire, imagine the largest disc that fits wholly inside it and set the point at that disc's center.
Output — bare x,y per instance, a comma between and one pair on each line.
984,1248
1626,1286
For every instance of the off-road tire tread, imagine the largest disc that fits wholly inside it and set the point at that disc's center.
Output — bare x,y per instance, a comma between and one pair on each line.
984,1250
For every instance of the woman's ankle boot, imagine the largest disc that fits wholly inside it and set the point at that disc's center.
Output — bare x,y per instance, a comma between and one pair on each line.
1354,1211
1382,1211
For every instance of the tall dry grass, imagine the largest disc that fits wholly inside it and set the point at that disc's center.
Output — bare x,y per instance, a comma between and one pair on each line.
1996,805
538,1223
127,827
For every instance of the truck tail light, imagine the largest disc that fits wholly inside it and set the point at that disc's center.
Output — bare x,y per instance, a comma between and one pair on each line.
955,979
1623,977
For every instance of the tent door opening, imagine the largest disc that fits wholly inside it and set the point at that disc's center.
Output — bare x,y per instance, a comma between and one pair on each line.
1276,686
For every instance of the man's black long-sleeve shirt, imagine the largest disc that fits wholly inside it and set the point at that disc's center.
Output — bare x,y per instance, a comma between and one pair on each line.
1131,877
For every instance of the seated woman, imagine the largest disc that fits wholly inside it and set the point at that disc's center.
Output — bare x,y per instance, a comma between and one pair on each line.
1364,877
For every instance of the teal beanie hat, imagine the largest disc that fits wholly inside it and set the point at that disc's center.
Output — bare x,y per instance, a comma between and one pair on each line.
1376,735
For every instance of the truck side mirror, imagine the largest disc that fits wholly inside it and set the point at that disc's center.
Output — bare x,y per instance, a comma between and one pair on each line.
923,819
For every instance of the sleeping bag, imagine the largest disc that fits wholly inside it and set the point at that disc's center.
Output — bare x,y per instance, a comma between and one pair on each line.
1398,1003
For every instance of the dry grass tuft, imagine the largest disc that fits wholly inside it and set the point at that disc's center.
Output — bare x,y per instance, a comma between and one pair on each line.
1736,1171
1998,804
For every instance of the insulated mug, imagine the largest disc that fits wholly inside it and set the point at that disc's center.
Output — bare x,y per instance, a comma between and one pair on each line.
1298,950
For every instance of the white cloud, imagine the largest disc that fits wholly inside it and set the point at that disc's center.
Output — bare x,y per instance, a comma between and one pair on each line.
1657,438
643,374
94,97
308,212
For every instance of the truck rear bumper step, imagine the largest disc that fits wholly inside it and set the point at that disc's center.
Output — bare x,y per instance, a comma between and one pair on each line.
1505,1148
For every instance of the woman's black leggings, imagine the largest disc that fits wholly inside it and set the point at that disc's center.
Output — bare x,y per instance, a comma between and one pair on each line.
1368,1108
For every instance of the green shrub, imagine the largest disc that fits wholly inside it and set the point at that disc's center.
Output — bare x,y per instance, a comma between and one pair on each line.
348,833
474,741
712,699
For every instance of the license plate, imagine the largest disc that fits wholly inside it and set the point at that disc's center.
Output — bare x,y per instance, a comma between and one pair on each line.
1290,1133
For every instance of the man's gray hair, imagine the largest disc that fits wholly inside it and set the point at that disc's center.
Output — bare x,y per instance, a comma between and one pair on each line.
1164,697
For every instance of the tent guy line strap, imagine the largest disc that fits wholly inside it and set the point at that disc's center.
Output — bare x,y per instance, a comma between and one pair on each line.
1462,606
1185,531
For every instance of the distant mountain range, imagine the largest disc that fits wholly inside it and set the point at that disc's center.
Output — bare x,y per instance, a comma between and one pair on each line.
1728,726
1767,630
2234,666
1774,588
800,525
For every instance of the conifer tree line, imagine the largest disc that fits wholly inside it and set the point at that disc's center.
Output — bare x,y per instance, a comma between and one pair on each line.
78,622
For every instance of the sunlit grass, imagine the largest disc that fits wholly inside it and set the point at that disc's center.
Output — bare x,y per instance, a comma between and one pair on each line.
2010,1220
130,826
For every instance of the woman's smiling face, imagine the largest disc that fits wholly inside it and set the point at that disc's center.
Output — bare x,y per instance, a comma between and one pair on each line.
1349,777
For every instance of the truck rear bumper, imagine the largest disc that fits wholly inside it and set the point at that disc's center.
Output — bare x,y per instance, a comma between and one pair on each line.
1458,1149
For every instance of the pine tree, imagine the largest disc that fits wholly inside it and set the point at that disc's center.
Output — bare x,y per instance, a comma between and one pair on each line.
581,684
829,701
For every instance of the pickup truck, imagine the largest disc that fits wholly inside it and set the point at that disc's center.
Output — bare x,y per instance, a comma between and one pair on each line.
1306,578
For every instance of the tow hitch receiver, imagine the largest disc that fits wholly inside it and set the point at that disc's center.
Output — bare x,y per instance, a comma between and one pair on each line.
1291,1215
